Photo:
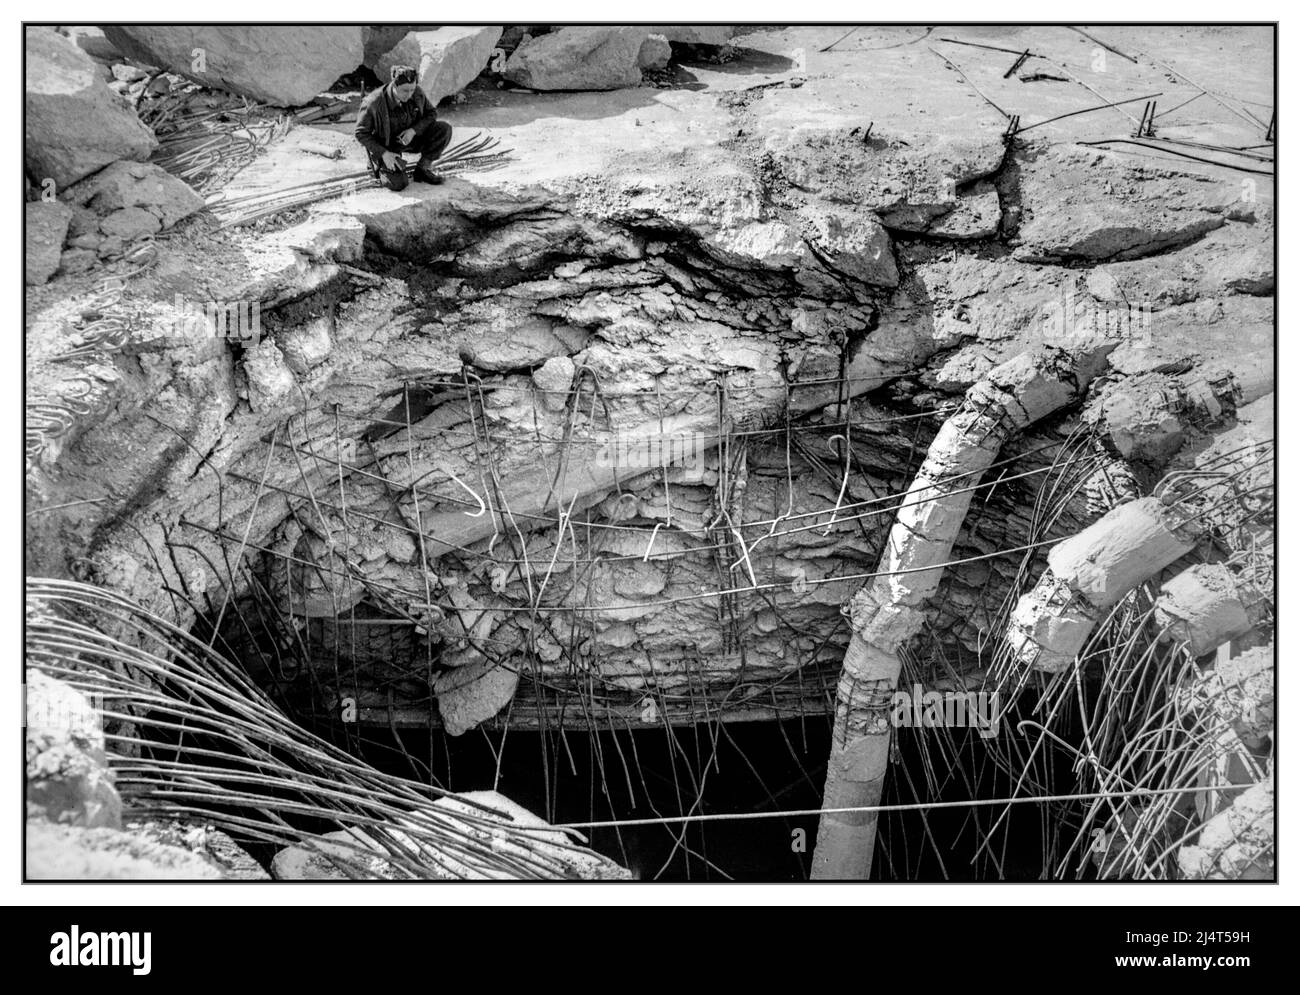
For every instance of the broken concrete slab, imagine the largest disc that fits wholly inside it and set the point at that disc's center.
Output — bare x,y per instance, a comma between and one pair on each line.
93,42
68,780
73,124
474,693
855,244
447,59
73,853
585,58
45,224
282,65
655,52
136,184
1234,259
1088,204
377,39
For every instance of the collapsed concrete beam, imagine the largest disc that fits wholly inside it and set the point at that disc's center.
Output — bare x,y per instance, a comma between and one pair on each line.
891,609
1240,692
1146,417
1237,844
1088,574
1206,606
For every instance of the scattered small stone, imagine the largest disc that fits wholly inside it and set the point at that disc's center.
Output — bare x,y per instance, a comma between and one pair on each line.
128,73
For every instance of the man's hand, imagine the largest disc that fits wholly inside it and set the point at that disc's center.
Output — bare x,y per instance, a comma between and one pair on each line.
406,136
390,160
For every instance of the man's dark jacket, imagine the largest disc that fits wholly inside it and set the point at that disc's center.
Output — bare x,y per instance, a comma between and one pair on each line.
375,129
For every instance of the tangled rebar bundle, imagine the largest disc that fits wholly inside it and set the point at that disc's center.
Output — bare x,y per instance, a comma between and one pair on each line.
1119,720
50,419
191,738
107,330
206,145
475,154
109,325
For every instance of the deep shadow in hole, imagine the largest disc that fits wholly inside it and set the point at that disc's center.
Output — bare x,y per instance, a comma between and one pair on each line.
747,769
974,843
744,61
646,775
759,767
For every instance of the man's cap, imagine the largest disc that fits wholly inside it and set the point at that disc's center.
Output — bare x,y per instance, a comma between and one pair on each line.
400,75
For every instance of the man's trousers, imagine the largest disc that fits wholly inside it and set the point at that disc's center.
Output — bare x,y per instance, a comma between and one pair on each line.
428,143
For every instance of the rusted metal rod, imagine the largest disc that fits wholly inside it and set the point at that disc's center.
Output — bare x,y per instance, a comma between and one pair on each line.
1088,110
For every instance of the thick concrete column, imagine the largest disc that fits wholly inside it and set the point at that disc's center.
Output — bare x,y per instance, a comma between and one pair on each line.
1206,606
1087,575
890,610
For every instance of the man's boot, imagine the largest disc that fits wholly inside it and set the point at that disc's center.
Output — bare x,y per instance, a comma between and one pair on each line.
423,174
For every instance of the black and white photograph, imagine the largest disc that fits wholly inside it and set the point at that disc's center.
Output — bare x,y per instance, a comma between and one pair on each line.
622,454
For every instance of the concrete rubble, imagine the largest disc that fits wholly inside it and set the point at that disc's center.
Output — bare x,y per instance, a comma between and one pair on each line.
447,59
123,202
1237,844
580,58
68,781
73,123
76,829
1239,691
45,225
282,65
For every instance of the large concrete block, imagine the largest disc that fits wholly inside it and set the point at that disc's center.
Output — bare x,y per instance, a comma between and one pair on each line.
73,123
281,65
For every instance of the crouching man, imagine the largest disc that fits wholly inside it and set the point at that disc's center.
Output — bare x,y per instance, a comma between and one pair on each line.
397,120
